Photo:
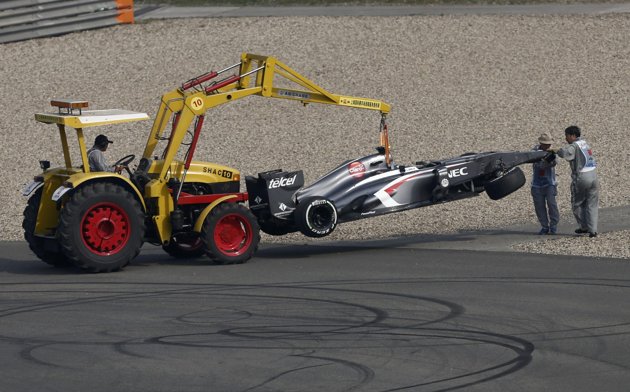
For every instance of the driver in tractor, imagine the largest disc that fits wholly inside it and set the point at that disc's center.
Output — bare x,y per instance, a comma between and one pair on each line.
96,158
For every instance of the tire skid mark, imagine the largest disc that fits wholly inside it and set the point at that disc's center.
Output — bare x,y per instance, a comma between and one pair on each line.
27,353
365,373
184,317
280,375
522,359
336,325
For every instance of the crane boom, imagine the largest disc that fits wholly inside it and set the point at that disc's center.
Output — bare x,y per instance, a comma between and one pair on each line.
257,75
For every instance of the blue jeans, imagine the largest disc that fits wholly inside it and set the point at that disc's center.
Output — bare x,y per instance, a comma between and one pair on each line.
546,206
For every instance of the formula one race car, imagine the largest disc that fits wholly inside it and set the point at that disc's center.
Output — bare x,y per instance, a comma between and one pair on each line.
372,186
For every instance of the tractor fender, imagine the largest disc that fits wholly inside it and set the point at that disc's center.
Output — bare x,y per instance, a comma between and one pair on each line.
32,187
78,180
57,175
59,192
206,211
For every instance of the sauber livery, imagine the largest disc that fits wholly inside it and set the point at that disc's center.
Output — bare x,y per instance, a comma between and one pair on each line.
367,187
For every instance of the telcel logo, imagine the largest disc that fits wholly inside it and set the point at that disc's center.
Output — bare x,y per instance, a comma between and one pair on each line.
458,172
282,182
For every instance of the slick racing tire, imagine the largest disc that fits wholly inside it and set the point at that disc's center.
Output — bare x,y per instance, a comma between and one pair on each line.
230,234
500,187
185,246
36,244
316,217
101,227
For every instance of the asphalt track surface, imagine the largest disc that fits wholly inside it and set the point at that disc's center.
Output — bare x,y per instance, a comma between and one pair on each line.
318,318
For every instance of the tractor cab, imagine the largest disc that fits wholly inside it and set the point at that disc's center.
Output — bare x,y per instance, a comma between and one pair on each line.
57,181
71,113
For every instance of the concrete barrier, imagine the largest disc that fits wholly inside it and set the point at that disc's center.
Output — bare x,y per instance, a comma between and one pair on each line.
27,19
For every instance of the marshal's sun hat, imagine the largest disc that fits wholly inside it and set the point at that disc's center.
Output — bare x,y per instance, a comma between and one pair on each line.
545,138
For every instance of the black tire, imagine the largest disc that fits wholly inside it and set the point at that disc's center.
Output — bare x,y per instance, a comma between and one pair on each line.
37,244
101,227
276,227
316,217
502,186
230,234
185,246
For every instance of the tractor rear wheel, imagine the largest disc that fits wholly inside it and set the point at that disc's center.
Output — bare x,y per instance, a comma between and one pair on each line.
185,245
230,234
37,244
101,227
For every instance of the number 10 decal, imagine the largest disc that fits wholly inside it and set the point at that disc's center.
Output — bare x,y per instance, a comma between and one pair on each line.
197,103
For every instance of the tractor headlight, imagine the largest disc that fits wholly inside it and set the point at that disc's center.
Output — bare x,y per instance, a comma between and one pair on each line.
44,165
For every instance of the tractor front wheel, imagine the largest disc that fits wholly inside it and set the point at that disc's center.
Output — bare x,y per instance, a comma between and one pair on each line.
101,227
230,234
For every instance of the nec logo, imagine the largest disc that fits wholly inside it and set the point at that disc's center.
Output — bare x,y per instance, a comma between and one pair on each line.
458,172
282,182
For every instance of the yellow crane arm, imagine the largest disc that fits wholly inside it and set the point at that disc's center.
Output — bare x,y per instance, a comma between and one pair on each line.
311,92
257,75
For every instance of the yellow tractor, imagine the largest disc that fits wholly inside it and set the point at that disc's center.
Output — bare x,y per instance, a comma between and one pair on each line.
98,221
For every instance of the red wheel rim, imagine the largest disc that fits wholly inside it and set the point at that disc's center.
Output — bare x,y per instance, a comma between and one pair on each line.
233,235
105,229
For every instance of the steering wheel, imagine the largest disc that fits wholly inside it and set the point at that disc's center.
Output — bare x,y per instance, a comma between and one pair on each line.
125,161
